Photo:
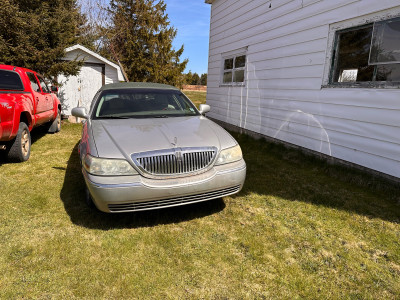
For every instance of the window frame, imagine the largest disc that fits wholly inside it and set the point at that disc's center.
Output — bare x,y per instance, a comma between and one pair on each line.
333,47
223,70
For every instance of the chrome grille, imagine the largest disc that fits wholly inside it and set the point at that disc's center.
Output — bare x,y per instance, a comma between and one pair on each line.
175,161
170,202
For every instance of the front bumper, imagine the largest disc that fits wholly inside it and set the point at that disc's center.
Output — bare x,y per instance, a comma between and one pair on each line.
136,193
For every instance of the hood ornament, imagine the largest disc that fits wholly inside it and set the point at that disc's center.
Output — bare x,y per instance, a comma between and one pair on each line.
175,142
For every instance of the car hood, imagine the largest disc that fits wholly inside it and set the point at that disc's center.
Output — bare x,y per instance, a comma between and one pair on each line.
116,138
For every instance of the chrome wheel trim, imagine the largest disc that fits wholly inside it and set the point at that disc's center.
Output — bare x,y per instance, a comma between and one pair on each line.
58,122
25,143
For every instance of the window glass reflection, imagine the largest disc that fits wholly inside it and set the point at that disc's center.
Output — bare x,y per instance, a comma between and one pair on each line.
388,72
240,61
386,42
227,77
228,64
239,76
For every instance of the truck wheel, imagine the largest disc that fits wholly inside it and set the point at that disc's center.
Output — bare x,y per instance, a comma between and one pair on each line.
20,148
56,124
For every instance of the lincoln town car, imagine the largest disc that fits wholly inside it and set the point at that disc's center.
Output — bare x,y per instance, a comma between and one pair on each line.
146,146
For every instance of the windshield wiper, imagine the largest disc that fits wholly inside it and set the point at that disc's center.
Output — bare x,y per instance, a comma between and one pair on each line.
160,116
113,117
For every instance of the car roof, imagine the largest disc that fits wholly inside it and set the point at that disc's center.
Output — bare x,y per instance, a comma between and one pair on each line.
137,85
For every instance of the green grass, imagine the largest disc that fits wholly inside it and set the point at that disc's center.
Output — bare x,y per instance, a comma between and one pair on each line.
299,229
197,97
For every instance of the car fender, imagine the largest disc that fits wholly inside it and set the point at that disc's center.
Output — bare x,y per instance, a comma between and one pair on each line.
24,109
87,144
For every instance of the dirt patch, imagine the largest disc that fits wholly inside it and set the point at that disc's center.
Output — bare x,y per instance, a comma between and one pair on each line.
200,88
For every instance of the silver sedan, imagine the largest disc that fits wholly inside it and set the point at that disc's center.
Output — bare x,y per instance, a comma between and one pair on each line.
146,146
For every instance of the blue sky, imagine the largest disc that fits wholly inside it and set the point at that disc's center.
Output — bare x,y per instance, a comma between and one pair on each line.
192,20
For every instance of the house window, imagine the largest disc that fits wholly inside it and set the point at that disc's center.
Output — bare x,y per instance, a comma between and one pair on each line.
234,70
368,55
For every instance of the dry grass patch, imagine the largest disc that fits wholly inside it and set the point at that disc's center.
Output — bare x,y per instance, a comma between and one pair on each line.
196,97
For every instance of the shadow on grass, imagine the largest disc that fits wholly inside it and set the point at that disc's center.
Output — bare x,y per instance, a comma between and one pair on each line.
272,170
73,197
36,134
294,176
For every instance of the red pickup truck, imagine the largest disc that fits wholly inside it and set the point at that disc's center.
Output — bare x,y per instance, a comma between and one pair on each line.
25,102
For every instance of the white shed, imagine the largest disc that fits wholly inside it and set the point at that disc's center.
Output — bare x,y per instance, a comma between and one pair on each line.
320,74
96,71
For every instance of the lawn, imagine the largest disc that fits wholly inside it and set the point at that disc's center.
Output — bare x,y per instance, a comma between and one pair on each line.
197,97
299,229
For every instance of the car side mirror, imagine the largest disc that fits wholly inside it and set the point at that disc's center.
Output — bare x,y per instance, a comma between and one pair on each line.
79,112
54,89
204,108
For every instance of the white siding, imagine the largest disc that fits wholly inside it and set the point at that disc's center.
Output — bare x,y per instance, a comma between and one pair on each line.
80,89
288,59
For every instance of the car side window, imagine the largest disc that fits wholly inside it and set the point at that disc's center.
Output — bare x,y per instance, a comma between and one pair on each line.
34,82
43,84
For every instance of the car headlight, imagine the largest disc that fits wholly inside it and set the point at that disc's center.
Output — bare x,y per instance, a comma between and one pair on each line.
229,155
107,167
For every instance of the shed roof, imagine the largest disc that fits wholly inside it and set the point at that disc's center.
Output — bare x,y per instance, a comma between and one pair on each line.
99,57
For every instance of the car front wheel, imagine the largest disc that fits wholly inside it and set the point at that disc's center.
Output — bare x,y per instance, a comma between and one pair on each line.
20,148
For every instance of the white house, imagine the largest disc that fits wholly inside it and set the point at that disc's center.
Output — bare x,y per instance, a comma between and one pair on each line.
96,71
320,74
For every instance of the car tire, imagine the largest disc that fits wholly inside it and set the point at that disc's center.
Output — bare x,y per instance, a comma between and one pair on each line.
19,149
56,124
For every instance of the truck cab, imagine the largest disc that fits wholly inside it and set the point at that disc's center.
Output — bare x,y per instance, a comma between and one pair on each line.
25,103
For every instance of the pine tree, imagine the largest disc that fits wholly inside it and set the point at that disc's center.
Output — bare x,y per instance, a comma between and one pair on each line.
35,33
195,79
141,38
203,79
188,77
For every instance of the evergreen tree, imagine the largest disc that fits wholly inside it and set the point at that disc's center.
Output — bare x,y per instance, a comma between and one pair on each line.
195,79
141,38
203,79
188,77
35,33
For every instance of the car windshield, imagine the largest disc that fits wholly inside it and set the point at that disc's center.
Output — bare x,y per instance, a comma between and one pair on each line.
143,103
